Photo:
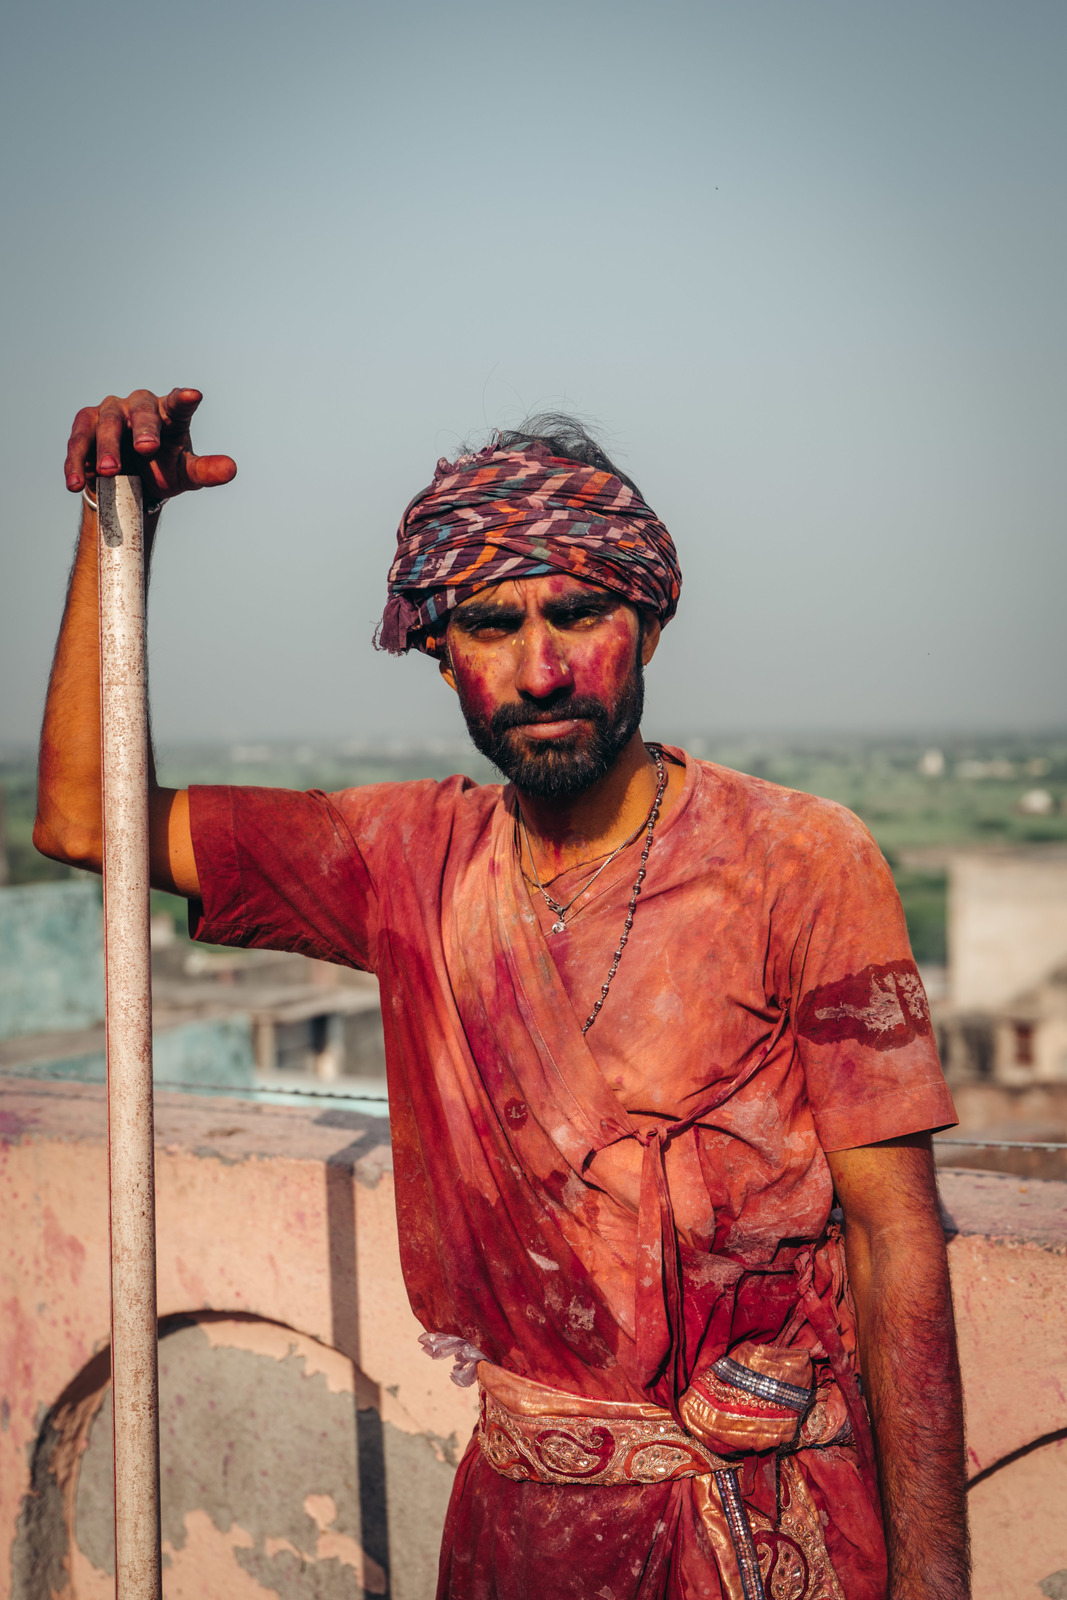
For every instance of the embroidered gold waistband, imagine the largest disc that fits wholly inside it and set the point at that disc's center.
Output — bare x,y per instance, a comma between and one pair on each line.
530,1431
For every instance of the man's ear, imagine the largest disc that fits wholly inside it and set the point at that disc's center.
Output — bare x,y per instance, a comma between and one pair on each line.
444,666
650,632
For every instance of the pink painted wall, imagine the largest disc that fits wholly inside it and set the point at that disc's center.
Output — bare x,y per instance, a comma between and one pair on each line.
277,1237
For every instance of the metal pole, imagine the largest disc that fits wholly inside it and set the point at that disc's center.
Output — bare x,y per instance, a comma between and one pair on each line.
124,725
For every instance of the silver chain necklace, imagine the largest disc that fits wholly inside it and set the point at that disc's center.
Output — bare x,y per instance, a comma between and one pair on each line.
559,926
560,911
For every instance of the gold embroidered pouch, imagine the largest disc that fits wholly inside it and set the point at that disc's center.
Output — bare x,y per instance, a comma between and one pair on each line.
752,1399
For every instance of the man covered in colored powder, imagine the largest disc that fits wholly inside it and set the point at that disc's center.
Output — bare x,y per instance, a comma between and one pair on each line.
646,1020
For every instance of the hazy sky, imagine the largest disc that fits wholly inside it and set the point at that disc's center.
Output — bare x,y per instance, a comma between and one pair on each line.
803,261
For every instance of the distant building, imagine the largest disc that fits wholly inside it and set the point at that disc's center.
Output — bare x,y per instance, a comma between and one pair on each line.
1030,1034
52,998
1004,1019
1007,923
1036,803
51,958
251,1019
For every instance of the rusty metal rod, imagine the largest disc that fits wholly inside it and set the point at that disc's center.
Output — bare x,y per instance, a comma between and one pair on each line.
134,1354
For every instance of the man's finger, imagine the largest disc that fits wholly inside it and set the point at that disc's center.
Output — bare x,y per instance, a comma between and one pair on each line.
110,426
79,447
178,406
208,472
144,421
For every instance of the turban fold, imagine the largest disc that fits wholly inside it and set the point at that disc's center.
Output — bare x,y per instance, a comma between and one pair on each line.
521,513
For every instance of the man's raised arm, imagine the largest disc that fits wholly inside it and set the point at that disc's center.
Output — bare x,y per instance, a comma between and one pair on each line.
148,437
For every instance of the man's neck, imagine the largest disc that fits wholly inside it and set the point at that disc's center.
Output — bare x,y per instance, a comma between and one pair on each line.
565,833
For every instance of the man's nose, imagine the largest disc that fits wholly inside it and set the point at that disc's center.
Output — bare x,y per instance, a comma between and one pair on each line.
543,668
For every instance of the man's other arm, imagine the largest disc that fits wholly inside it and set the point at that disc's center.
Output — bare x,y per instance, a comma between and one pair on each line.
146,436
898,1269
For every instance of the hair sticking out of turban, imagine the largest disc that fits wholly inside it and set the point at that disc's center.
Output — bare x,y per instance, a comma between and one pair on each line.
521,513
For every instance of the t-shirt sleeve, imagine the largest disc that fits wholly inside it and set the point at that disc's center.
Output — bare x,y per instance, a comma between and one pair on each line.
283,870
860,1012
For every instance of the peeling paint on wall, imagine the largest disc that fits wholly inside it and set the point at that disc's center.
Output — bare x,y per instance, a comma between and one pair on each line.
274,1480
245,1438
39,1557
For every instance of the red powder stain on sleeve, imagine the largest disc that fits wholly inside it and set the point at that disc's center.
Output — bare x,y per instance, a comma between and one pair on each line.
882,1007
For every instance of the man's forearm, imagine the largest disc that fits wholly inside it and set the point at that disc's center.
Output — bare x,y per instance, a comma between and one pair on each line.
147,435
69,824
912,1383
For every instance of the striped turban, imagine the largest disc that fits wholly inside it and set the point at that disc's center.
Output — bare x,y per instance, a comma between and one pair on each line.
521,513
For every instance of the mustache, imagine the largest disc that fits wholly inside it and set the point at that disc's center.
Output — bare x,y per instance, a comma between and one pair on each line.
580,708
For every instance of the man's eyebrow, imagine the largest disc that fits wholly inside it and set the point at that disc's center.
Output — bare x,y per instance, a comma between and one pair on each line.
476,613
570,605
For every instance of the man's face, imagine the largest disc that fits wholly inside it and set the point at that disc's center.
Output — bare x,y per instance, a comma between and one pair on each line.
549,673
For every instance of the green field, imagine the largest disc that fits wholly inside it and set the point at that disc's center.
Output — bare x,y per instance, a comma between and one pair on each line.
982,791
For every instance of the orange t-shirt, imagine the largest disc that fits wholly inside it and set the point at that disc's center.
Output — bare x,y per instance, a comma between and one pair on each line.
766,1009
768,975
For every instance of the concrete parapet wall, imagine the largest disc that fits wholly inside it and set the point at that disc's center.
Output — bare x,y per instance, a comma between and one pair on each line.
308,1445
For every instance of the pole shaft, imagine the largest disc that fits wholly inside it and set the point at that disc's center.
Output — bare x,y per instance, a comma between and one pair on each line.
124,724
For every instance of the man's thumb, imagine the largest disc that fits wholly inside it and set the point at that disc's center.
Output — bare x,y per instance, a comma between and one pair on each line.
207,472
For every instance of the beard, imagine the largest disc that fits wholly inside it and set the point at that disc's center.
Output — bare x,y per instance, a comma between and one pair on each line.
560,769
